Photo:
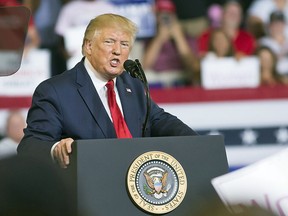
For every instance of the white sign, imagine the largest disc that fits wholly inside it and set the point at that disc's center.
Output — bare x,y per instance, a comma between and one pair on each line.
73,38
219,73
35,68
264,184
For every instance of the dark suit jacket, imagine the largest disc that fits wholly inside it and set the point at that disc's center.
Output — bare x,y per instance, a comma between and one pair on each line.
67,105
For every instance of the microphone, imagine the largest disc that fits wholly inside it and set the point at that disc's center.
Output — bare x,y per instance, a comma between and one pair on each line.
134,68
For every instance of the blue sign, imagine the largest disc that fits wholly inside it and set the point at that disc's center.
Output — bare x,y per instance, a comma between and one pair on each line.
141,13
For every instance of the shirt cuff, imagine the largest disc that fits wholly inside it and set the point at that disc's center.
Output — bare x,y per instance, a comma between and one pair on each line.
52,149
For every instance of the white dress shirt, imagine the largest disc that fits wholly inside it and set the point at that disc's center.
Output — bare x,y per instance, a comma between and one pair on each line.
99,84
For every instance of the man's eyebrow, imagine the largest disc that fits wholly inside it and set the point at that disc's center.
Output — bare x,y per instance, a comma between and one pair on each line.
109,38
121,41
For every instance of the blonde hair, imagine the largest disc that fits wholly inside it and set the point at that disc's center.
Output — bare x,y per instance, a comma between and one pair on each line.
109,20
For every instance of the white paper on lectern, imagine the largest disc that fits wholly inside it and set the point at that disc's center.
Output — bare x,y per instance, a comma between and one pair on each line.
264,184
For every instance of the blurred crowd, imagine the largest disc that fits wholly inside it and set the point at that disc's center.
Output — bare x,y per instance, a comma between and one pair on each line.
186,33
225,31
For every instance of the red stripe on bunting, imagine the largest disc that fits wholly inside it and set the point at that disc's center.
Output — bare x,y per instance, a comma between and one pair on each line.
198,94
182,95
14,102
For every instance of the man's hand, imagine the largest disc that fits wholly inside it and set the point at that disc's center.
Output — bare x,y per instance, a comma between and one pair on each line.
61,152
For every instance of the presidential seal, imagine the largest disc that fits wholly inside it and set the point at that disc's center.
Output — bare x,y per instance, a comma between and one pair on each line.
156,182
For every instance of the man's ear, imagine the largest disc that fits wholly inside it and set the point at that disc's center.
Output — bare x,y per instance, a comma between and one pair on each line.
88,46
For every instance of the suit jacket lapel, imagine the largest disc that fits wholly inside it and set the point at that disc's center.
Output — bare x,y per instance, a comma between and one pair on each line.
93,102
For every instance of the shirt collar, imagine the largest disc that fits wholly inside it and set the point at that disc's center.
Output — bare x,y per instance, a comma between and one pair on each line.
98,81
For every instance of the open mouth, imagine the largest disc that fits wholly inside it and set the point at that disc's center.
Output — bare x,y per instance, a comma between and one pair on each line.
114,62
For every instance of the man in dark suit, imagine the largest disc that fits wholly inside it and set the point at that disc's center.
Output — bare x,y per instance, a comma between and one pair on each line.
73,105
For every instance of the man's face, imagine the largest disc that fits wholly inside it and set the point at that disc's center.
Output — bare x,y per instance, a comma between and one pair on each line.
108,51
277,28
232,16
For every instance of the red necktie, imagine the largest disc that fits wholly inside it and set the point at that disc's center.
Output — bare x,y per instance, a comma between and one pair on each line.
121,128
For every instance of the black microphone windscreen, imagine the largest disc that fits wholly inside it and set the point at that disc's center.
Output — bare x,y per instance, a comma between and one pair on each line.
129,65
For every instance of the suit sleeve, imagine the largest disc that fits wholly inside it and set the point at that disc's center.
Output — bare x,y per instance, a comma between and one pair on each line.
43,122
166,124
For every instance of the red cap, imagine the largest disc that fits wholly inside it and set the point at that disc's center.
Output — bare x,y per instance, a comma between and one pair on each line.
165,5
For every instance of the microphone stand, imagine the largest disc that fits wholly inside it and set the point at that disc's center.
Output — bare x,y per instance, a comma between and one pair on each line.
148,99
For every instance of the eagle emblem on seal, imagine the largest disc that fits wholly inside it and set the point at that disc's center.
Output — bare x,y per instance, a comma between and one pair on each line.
156,180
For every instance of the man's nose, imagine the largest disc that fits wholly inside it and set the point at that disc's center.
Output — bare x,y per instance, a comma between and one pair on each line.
117,49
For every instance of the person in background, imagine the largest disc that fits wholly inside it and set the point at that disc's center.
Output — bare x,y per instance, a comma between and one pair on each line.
220,45
243,42
15,124
219,48
45,13
258,15
192,15
77,104
268,69
277,41
169,55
